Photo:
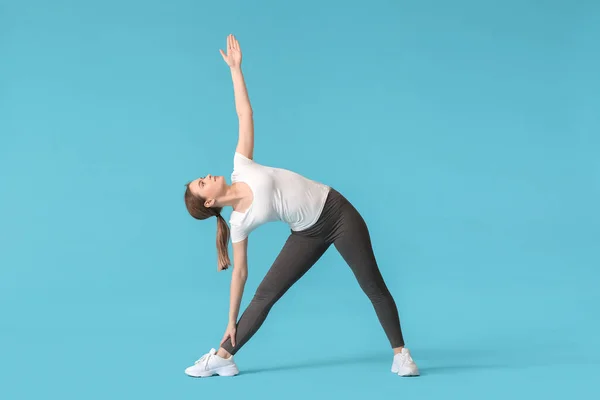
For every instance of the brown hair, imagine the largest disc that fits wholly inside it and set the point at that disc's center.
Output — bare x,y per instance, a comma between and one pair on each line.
196,208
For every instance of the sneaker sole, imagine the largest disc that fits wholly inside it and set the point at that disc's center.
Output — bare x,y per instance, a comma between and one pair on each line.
405,373
223,371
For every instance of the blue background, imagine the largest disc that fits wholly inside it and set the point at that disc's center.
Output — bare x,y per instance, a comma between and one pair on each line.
465,132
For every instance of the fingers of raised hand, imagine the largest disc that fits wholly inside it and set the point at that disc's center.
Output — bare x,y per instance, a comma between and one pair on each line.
232,43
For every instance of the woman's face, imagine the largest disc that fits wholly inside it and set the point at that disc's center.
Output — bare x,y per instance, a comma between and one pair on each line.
209,187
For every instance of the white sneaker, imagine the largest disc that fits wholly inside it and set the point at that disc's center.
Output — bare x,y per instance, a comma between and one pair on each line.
404,365
211,364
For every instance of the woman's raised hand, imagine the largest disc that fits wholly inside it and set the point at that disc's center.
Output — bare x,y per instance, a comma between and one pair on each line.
233,58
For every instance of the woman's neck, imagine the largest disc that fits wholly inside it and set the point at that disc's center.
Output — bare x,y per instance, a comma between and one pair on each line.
235,196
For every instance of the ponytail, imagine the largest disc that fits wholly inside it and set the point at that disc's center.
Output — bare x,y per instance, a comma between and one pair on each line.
222,242
197,209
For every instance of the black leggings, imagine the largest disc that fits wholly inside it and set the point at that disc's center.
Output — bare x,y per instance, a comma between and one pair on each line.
340,224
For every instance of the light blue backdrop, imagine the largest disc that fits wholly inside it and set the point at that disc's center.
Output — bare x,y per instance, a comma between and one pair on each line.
466,132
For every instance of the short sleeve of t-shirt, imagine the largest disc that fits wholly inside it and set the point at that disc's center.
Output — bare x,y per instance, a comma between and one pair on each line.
237,231
239,164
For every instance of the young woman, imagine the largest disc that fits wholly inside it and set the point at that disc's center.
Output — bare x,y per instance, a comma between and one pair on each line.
318,216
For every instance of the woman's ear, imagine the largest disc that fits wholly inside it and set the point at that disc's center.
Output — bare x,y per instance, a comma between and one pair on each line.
209,203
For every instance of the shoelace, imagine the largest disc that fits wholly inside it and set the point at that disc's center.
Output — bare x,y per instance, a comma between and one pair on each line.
205,358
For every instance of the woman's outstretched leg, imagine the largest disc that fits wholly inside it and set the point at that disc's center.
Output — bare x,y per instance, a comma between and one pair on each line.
353,241
298,255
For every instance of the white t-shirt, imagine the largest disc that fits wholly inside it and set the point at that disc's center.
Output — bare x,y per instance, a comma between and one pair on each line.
279,195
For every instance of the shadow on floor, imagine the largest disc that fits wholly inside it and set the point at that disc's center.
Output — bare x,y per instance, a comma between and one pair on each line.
446,361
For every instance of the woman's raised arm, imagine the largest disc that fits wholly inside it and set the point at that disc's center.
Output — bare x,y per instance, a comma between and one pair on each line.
233,58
